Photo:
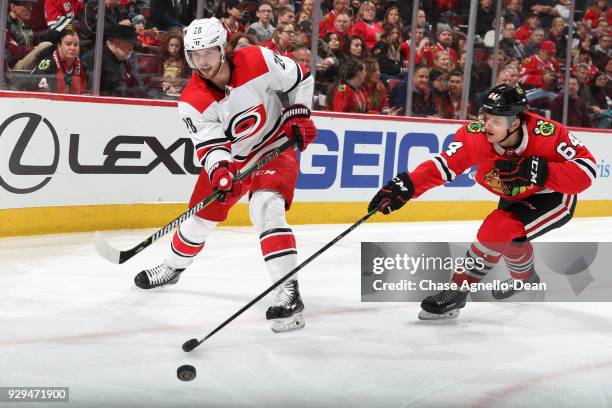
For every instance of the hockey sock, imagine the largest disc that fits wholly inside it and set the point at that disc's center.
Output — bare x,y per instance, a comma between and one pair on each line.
519,259
188,241
483,259
267,211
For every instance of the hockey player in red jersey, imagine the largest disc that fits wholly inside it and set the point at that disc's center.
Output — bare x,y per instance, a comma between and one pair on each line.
533,164
232,108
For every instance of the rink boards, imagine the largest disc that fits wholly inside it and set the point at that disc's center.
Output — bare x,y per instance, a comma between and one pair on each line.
82,163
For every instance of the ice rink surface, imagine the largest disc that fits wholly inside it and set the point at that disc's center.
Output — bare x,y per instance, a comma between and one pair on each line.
70,318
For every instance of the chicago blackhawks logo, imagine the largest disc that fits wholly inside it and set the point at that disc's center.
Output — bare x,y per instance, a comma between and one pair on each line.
246,123
475,127
544,128
493,181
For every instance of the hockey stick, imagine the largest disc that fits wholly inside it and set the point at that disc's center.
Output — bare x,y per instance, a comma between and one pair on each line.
189,345
118,257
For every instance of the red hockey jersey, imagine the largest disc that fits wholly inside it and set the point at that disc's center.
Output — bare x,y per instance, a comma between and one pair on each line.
571,167
533,68
60,13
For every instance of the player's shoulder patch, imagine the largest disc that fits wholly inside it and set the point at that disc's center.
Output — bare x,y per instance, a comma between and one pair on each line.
341,88
44,64
475,127
544,128
325,17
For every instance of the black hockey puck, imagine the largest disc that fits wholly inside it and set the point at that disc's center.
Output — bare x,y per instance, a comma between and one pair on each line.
190,345
186,372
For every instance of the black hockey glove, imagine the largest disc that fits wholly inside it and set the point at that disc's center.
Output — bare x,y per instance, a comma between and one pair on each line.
523,171
394,195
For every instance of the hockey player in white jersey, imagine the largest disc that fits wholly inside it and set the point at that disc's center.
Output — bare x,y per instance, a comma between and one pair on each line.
233,112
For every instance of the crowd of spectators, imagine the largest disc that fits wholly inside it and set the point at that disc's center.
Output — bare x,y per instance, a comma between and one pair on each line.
363,51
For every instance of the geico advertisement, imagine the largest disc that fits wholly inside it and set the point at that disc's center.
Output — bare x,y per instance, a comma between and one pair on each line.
75,153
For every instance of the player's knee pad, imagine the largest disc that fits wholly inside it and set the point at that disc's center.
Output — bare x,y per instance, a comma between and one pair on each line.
500,227
267,210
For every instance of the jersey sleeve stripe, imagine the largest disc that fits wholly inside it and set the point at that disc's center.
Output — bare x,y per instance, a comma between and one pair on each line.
299,77
441,164
587,166
218,148
217,141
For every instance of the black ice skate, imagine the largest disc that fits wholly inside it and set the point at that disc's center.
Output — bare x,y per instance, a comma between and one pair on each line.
160,275
507,288
443,305
286,310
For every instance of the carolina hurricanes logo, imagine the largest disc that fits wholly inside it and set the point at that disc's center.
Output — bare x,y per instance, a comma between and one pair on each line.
246,123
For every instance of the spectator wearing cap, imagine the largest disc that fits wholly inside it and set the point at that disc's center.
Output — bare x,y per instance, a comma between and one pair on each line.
233,15
545,9
577,113
118,76
535,42
523,33
23,44
327,22
444,43
146,37
61,13
510,45
484,17
60,69
263,29
366,26
541,71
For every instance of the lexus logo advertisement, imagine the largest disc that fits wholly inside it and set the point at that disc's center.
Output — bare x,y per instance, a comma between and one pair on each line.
31,143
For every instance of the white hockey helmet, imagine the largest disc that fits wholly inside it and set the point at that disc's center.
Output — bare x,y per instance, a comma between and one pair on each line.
201,34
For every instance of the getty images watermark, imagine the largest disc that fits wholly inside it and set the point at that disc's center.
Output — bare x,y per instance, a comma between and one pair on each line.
411,271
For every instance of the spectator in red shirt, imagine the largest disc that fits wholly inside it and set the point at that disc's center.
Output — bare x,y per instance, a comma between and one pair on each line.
341,27
377,97
327,22
445,42
60,13
596,11
450,103
146,37
366,26
282,39
231,21
346,94
541,70
523,33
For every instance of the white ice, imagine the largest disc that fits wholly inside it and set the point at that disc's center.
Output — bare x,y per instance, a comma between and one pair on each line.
69,318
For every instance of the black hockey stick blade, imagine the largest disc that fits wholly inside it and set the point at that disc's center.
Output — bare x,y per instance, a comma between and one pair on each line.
191,344
117,256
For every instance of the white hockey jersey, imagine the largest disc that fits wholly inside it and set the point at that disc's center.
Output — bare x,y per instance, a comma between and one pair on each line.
244,122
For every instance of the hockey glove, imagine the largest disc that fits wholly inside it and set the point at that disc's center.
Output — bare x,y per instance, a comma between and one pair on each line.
222,177
523,171
298,125
394,195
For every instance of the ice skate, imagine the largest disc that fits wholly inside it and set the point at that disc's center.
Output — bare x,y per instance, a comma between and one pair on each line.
443,305
160,275
507,288
286,310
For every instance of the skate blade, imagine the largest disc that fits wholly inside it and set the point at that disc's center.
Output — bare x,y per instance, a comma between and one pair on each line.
295,322
423,315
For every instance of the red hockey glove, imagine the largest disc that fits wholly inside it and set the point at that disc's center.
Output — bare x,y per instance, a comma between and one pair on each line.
298,125
394,195
222,177
523,171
